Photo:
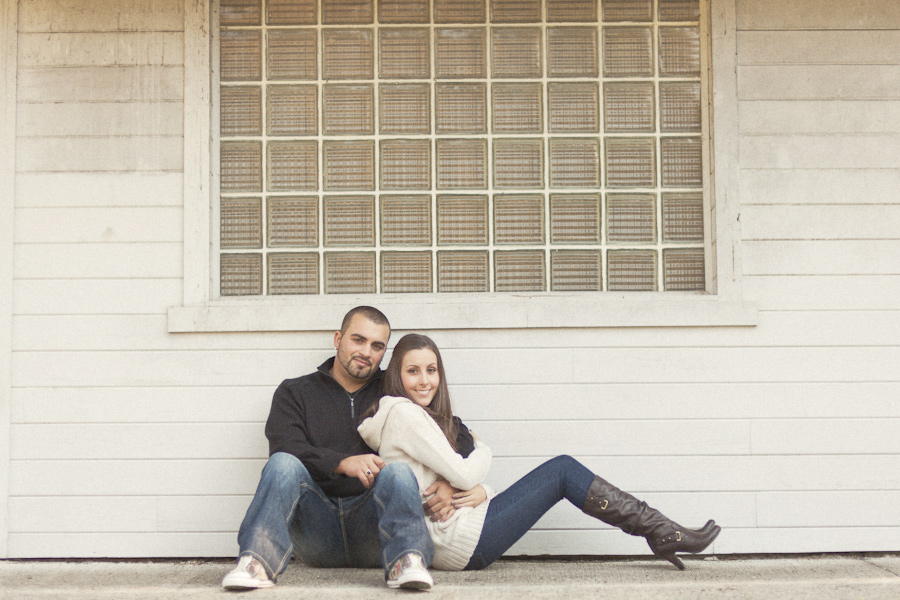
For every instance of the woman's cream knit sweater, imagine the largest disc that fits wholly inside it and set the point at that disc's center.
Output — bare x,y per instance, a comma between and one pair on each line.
402,431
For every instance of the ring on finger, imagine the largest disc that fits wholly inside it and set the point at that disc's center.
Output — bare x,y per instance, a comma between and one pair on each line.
368,472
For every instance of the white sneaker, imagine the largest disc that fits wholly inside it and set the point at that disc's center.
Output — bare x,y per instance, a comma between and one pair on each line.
410,573
249,574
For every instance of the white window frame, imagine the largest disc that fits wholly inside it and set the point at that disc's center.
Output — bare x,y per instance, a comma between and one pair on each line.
722,305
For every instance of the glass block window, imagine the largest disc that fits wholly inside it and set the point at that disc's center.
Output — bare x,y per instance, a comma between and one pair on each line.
460,146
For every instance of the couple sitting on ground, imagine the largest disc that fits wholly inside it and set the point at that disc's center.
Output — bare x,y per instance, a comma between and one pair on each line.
354,452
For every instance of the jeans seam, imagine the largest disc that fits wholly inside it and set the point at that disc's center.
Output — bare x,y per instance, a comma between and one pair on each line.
293,514
383,508
340,502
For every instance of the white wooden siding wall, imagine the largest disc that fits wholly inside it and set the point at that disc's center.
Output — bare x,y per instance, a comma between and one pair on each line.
819,108
129,441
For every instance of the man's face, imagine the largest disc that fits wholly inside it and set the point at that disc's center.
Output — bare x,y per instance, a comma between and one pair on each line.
359,349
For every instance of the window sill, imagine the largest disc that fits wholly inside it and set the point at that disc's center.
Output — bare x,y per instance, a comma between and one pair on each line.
469,311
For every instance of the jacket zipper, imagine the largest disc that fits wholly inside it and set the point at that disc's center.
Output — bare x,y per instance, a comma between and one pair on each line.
351,398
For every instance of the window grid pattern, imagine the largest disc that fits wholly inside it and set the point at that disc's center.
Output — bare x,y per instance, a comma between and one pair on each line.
479,146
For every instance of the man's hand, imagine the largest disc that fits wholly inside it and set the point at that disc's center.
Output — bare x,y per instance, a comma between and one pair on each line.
440,500
472,497
364,467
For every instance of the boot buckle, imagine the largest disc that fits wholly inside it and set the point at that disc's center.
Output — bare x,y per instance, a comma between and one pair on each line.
605,504
678,533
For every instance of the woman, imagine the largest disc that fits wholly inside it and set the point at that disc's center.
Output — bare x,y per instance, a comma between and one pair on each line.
415,424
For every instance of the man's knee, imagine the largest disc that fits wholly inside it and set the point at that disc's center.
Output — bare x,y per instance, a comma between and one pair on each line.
397,474
284,465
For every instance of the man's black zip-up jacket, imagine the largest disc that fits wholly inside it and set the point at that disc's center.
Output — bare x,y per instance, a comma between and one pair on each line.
314,418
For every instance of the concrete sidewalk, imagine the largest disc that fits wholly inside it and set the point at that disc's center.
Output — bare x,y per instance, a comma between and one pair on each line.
826,577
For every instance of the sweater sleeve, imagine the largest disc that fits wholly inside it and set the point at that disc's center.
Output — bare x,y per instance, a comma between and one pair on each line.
419,436
465,443
286,432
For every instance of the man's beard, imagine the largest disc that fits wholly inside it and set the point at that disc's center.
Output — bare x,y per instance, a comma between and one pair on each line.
354,369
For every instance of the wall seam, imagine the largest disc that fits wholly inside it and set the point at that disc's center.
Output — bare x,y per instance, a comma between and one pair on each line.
8,63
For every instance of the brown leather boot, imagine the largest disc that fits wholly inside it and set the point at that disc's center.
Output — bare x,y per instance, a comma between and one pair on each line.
665,537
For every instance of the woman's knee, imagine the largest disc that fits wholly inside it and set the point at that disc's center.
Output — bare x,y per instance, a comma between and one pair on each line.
565,462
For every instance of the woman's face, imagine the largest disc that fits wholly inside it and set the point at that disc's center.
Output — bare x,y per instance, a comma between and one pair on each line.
419,375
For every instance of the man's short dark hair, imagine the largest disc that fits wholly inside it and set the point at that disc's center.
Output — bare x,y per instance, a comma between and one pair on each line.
369,312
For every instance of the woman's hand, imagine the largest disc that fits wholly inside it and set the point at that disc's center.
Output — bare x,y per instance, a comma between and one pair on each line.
472,497
439,506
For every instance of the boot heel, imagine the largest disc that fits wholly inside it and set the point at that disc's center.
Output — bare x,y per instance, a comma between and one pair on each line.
674,560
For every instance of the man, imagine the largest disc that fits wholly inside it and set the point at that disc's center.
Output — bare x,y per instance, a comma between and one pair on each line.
324,495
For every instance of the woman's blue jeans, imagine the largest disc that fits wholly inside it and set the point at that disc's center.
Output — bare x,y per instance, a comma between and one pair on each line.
512,513
290,512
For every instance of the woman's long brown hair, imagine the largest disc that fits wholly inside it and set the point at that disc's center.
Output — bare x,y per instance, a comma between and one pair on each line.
439,409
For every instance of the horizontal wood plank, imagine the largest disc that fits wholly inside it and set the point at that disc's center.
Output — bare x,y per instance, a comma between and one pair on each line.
773,328
123,545
111,48
507,439
614,401
99,225
100,119
236,367
183,477
136,440
819,186
829,436
89,261
825,292
825,257
118,153
220,513
819,82
237,404
797,540
90,15
496,367
834,47
735,364
614,438
781,117
96,296
857,151
161,369
107,189
820,222
637,474
83,514
148,332
792,509
814,14
101,84
659,474
478,403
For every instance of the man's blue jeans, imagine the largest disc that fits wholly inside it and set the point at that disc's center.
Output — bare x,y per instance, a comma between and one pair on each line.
512,513
291,512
